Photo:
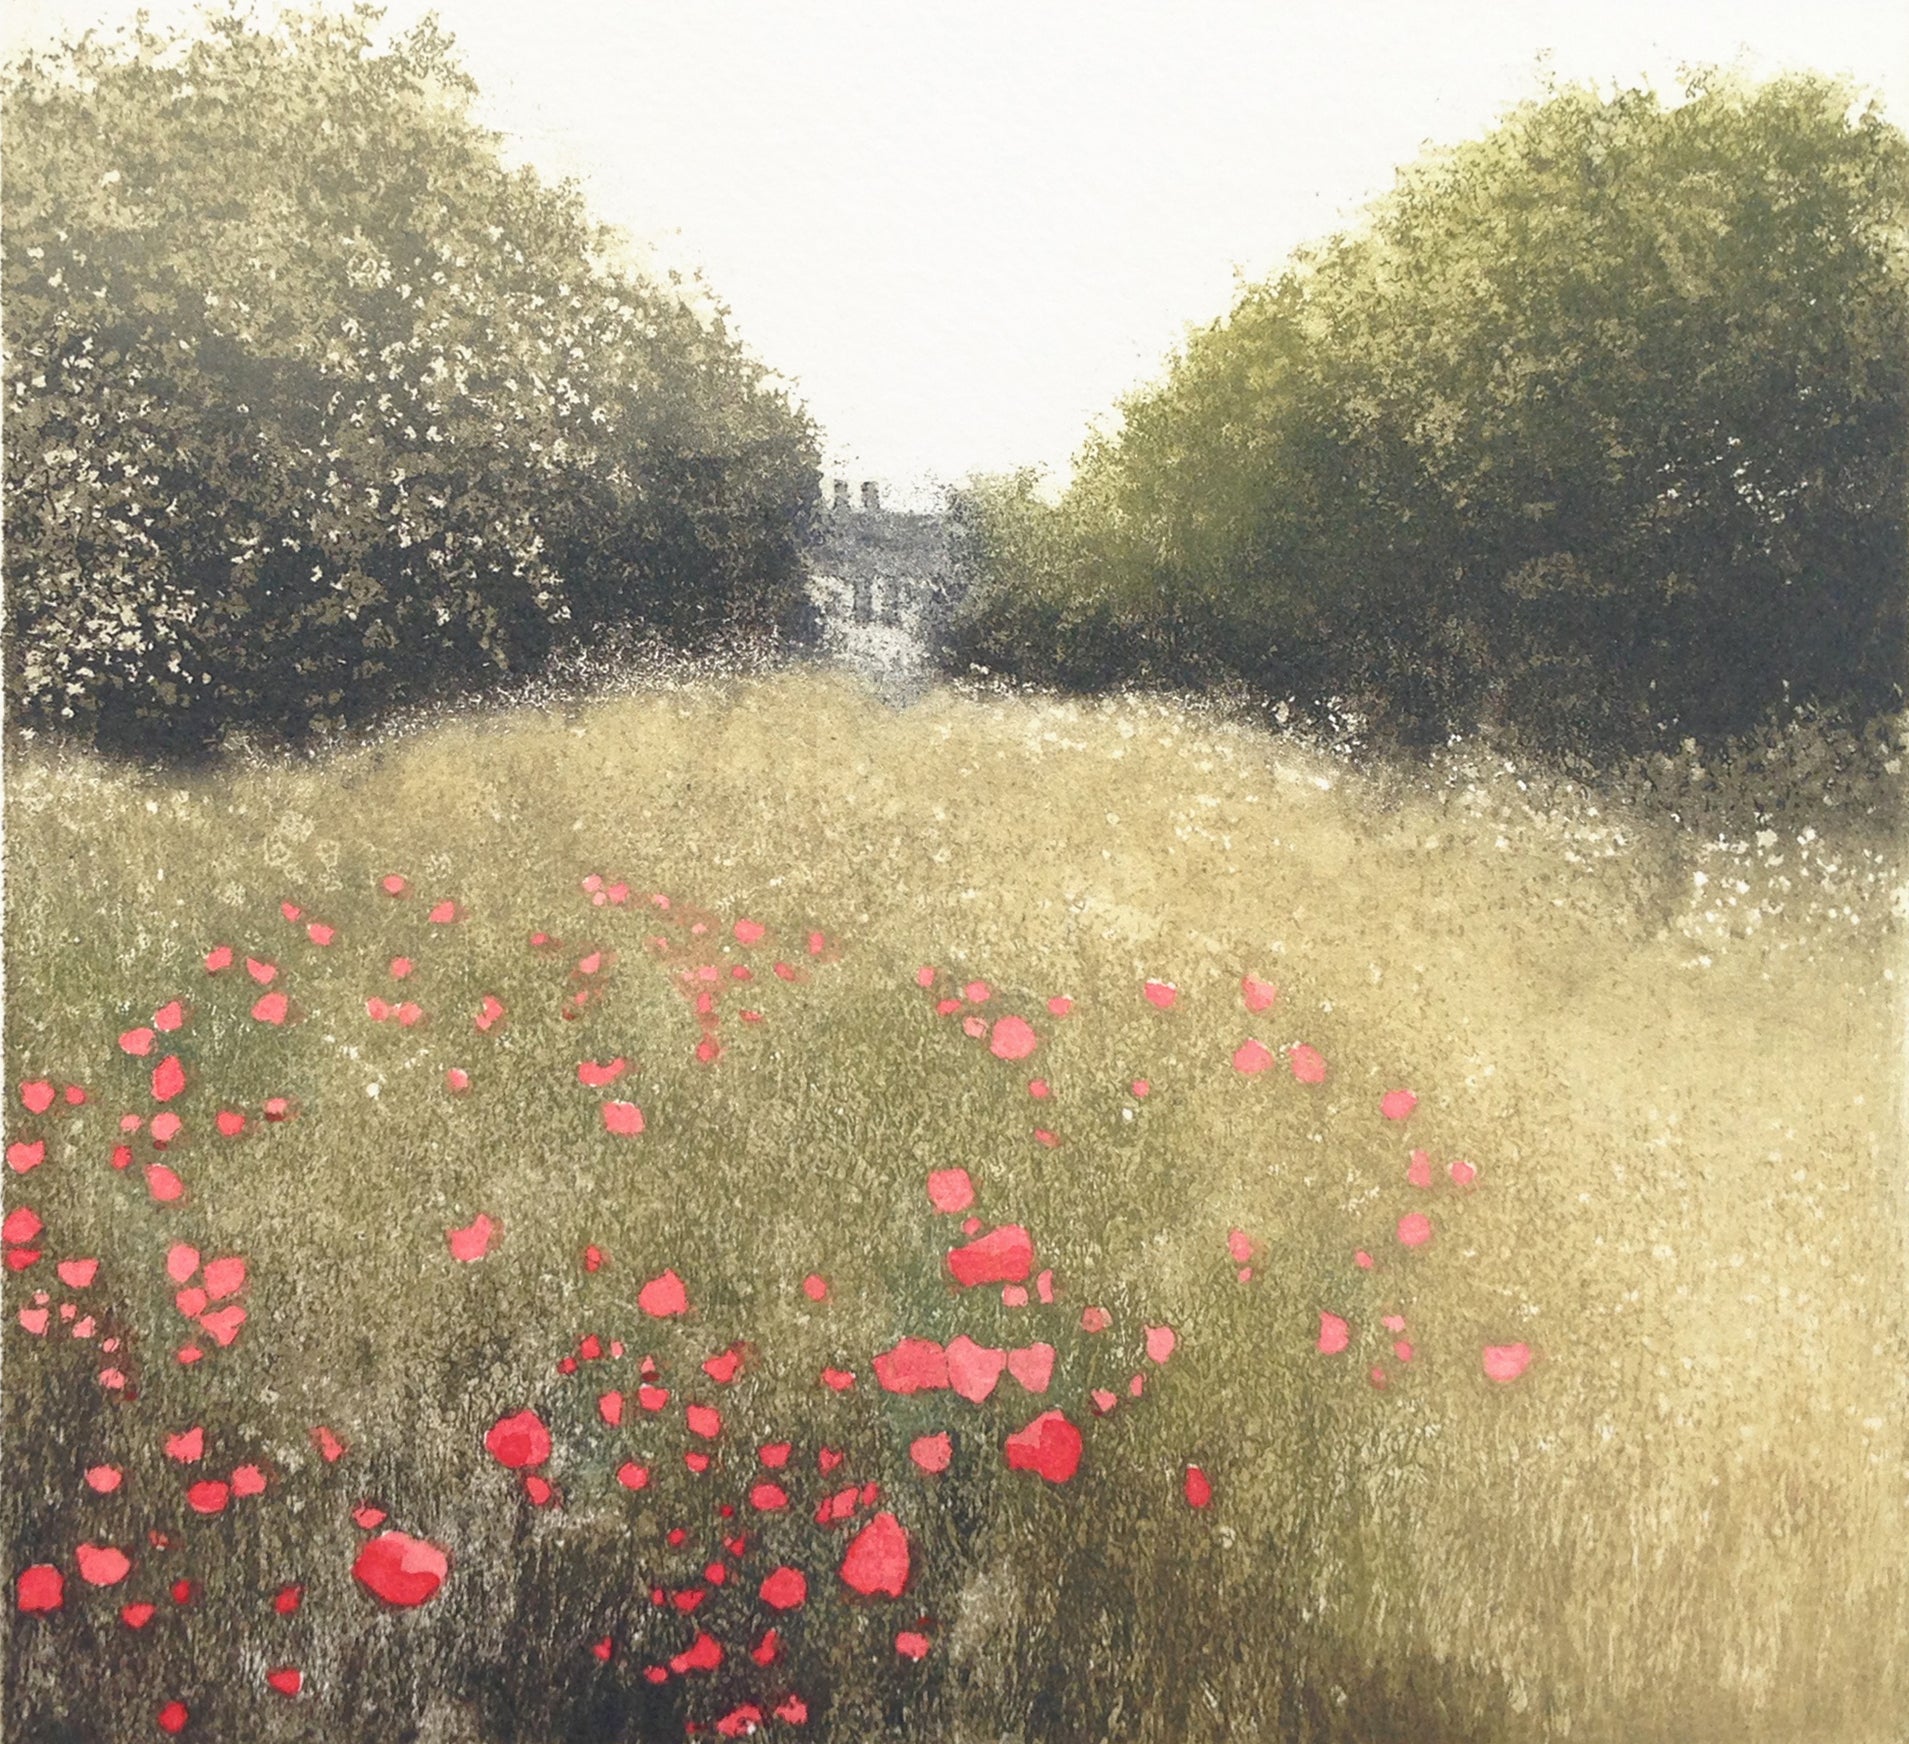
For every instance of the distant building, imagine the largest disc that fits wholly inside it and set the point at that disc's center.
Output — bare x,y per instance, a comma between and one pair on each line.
881,580
876,565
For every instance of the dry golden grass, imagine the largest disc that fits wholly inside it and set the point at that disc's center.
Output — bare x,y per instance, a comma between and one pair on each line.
1685,1522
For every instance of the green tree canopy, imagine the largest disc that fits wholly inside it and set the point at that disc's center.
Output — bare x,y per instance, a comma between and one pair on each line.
316,407
1598,426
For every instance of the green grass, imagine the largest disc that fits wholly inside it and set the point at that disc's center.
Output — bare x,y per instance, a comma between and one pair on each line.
1684,1522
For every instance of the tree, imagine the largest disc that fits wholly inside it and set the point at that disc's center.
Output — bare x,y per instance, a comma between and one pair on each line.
1025,609
316,408
1598,427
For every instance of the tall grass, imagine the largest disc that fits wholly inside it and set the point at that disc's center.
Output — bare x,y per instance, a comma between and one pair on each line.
1684,1522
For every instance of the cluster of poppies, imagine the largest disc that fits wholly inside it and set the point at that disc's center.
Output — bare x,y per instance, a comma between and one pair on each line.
1014,1038
744,1601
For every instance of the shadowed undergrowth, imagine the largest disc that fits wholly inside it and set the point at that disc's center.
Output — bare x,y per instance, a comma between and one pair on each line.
1681,1522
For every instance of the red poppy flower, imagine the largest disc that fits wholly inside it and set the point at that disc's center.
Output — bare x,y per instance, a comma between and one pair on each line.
401,1570
914,1365
1003,1255
784,1589
973,1369
102,1565
932,1453
1013,1038
1251,1058
950,1190
663,1296
41,1587
1032,1366
1049,1446
1506,1362
474,1240
877,1558
624,1119
518,1441
703,1654
722,1367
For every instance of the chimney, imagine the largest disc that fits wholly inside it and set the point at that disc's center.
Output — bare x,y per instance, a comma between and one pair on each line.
871,495
841,494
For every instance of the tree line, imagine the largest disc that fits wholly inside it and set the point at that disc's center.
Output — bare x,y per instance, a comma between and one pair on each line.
1596,431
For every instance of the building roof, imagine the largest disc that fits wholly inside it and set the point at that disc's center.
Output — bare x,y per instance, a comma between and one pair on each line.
881,542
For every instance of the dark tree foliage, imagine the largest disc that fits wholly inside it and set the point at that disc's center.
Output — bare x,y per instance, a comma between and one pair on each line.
315,408
1598,430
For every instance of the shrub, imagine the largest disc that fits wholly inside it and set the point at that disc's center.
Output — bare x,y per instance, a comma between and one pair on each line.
318,409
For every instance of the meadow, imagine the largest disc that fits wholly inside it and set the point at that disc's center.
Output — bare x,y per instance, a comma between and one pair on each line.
1393,1253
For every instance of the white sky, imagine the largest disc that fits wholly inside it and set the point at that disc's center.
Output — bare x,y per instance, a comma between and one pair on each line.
962,231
